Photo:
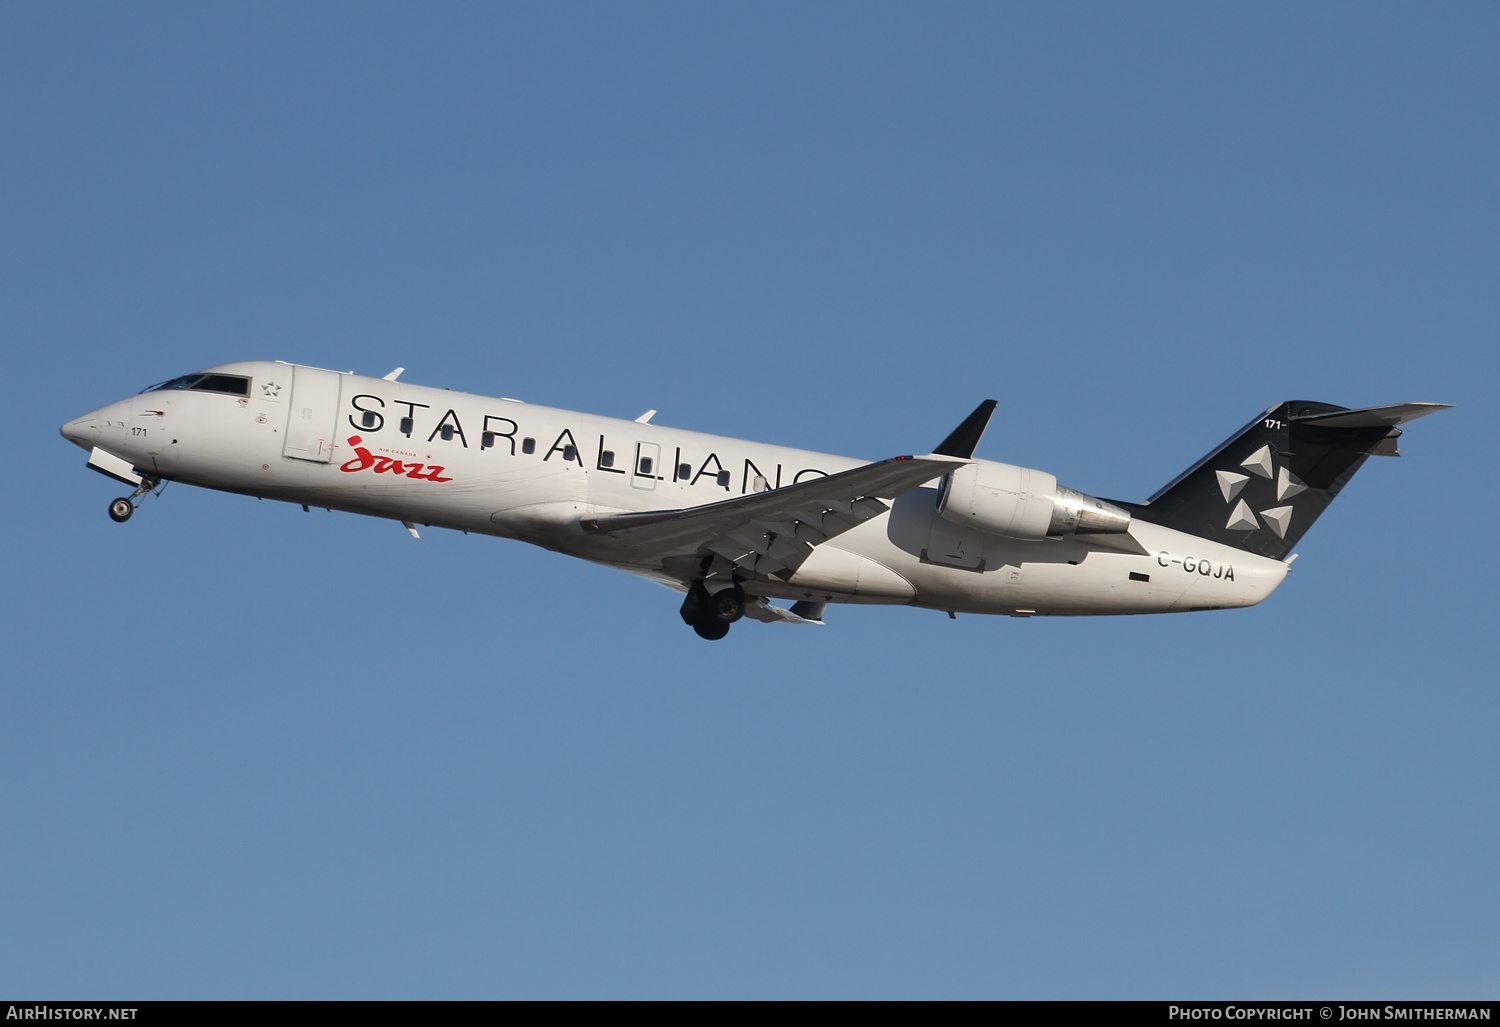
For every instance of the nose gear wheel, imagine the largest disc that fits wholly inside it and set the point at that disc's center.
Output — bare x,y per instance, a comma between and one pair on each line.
120,509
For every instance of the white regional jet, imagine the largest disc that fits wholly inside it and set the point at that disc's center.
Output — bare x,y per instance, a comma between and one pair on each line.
735,524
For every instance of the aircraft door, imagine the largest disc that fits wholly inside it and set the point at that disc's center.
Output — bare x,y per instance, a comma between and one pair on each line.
647,471
314,412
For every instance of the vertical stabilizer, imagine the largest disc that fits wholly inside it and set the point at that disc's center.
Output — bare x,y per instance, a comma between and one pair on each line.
1263,488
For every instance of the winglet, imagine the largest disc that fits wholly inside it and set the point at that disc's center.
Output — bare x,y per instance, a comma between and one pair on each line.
966,436
394,374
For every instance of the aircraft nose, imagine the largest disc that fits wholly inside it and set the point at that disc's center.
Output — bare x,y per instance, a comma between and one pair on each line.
82,431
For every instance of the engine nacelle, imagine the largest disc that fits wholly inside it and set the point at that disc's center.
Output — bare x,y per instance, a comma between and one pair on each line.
1018,502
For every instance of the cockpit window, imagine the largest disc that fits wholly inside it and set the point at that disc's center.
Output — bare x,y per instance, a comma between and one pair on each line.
232,384
185,382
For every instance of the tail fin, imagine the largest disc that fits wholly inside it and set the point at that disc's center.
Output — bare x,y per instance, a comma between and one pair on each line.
1263,488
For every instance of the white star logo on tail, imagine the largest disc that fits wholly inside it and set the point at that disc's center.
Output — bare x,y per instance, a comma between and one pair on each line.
1288,484
1241,519
1263,463
1230,484
1279,518
1260,462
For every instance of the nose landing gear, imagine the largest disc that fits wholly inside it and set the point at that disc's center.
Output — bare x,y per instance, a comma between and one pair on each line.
710,614
121,509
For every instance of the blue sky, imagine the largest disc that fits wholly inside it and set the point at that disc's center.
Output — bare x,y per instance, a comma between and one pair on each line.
252,752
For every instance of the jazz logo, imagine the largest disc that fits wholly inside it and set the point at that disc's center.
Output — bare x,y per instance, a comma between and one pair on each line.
364,460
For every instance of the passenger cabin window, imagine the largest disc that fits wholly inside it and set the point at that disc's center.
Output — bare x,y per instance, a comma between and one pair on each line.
570,453
723,479
645,465
528,445
368,420
607,458
229,384
447,433
684,471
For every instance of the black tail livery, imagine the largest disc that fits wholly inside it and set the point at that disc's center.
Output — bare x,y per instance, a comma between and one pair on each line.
1263,488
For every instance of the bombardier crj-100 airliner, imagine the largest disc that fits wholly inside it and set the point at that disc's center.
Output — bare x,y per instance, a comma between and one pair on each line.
736,524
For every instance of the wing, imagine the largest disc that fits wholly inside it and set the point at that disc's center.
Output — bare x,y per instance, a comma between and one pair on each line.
772,533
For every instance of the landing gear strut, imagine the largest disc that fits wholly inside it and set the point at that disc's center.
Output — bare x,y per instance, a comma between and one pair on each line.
710,614
121,509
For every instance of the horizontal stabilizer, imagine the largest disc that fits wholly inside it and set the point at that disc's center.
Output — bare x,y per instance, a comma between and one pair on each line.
1374,417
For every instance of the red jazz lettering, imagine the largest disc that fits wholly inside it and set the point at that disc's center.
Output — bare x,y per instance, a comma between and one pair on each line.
364,460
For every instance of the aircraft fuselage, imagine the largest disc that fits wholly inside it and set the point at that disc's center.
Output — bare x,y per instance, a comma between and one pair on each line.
503,467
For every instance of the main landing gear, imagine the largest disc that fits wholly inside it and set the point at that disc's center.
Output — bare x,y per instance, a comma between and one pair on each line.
121,509
710,614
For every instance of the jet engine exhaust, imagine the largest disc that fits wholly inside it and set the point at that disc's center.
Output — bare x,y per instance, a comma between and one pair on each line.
1078,513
